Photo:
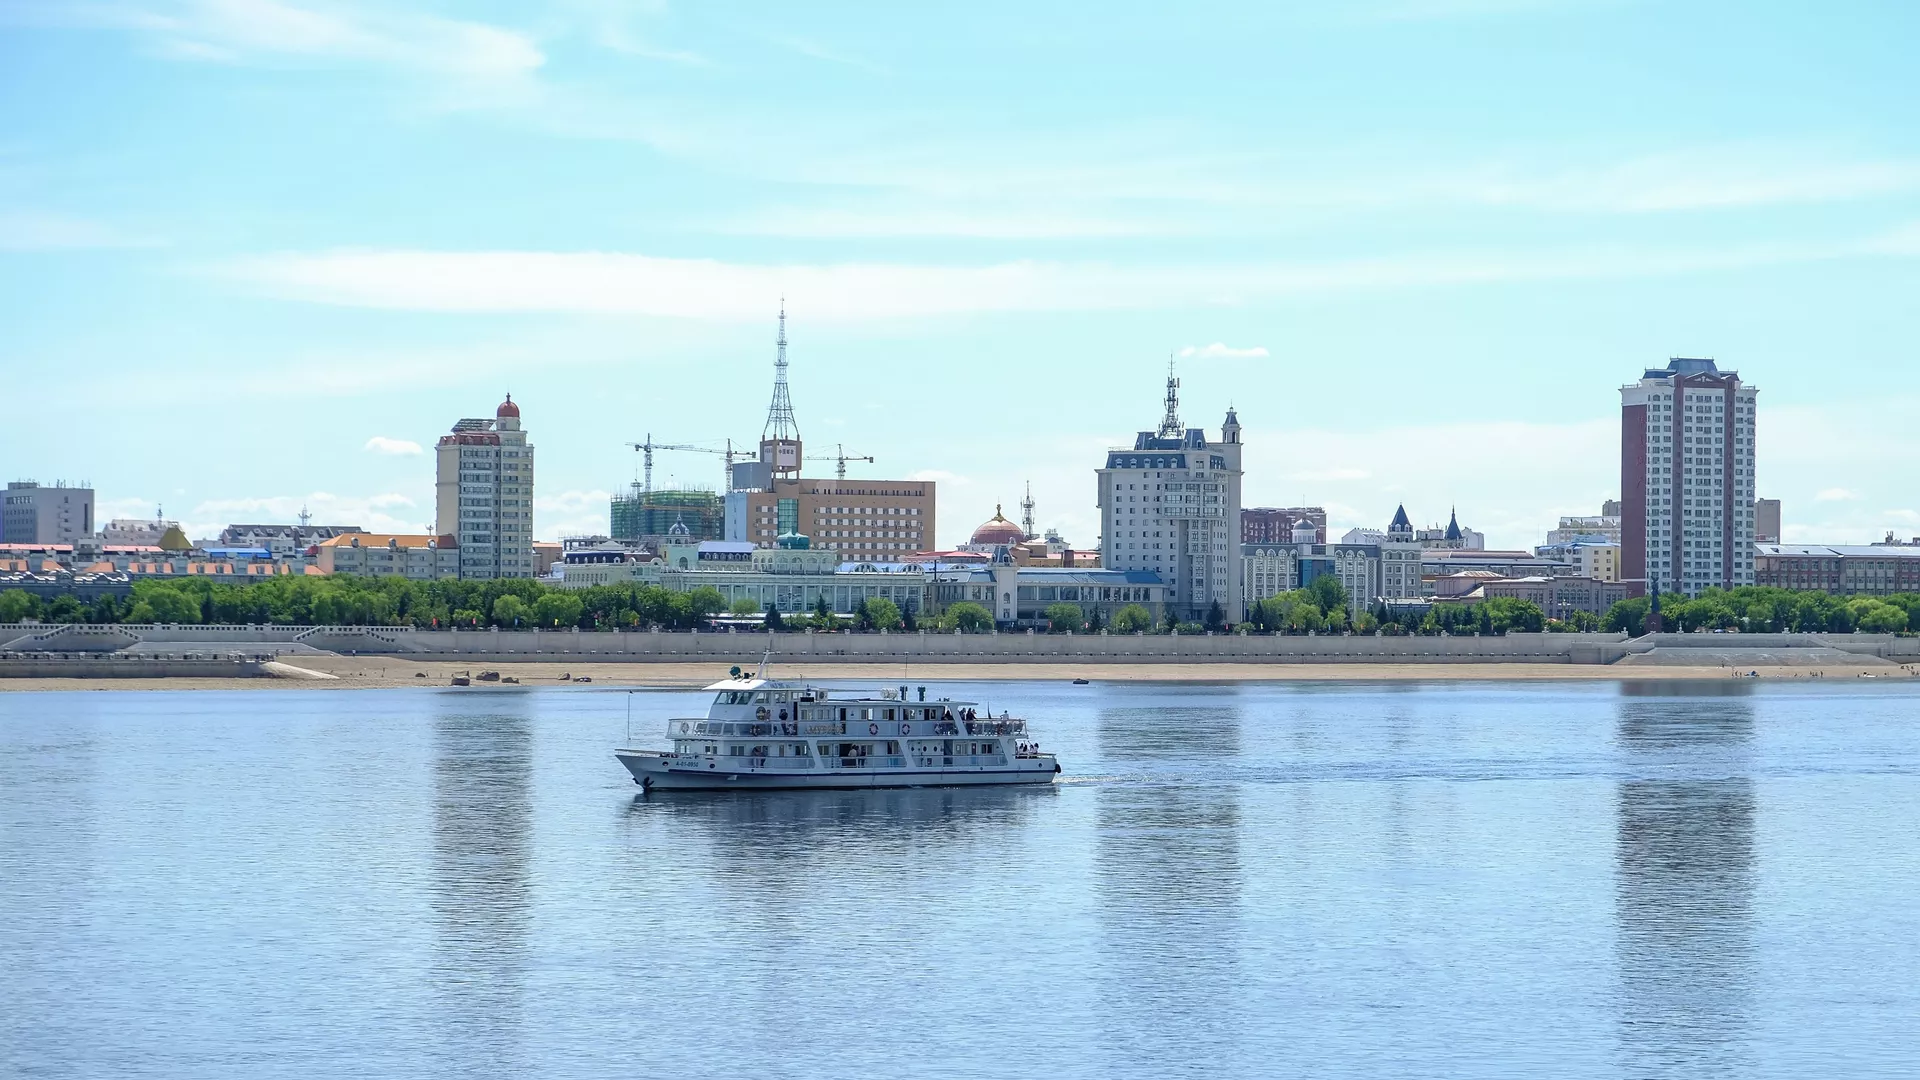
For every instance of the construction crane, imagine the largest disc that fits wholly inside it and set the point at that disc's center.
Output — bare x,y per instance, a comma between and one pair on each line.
841,458
647,448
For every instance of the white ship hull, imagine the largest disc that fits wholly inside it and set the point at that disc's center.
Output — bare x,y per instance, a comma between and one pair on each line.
655,771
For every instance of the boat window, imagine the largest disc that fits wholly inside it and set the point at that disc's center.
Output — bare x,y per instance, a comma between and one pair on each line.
761,697
889,715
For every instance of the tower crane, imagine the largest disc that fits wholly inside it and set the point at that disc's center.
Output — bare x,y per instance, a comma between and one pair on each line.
648,447
840,459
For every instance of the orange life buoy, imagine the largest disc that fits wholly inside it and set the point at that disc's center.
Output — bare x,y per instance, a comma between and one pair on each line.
683,729
760,713
906,729
873,729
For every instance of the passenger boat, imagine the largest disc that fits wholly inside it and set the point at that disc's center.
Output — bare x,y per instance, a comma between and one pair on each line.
766,733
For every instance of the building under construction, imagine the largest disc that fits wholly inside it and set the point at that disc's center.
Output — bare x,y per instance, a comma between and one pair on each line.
654,517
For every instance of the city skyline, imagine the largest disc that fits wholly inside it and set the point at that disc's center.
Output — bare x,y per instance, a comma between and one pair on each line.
1415,283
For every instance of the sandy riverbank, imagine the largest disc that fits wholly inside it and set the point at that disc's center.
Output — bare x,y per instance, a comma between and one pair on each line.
364,672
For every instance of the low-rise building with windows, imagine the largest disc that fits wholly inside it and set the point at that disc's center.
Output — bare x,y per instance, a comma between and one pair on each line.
417,558
1843,569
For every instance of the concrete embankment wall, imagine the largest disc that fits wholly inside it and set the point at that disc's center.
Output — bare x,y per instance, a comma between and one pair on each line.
126,667
483,646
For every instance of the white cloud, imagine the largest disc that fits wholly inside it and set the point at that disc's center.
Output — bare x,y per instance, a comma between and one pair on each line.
27,231
386,512
1836,495
572,513
246,31
1221,351
380,444
615,283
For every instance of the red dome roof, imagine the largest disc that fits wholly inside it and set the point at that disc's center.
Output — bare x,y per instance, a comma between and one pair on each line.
998,531
508,408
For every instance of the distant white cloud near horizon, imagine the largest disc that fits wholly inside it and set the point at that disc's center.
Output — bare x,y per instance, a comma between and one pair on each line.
1221,351
380,444
615,283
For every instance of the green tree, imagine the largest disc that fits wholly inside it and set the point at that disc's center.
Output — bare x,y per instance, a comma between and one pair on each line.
1504,614
1878,617
1132,619
166,604
18,605
1627,616
65,608
704,602
1064,616
1216,617
774,621
968,618
823,617
510,610
743,606
1328,594
557,608
877,613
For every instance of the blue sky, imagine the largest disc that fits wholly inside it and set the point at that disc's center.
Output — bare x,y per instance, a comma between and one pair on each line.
254,251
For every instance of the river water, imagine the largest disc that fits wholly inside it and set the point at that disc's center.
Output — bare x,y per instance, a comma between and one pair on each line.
1567,880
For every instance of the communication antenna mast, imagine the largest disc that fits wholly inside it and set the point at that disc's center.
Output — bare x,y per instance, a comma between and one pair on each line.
780,422
304,516
1026,512
1170,423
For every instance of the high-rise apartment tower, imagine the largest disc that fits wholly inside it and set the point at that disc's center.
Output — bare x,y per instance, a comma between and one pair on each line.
483,494
1686,478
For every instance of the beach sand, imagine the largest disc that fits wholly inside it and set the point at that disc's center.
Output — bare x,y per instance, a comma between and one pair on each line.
364,672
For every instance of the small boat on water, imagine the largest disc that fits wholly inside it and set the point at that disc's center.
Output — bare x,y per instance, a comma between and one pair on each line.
766,733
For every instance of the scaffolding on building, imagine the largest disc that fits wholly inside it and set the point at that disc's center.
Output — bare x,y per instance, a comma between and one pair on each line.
644,515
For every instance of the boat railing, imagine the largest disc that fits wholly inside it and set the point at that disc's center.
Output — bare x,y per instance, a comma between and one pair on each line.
766,729
996,727
749,762
955,761
871,761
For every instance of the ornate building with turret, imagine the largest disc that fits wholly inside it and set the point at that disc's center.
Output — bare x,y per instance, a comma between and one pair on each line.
483,495
1170,505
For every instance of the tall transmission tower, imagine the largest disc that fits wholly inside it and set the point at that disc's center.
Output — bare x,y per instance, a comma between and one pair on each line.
780,422
1170,423
1026,512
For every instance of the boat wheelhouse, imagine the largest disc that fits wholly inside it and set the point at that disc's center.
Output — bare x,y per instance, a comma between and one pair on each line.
766,733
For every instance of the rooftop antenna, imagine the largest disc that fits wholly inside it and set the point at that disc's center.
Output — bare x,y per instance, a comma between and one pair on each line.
1026,512
780,422
1170,423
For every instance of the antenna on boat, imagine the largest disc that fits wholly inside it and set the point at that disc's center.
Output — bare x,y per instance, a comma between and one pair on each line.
766,661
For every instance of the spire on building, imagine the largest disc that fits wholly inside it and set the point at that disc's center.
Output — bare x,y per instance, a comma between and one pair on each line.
1170,423
780,422
1026,512
1453,524
1401,523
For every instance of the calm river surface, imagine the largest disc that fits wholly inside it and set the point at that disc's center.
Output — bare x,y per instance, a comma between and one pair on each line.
1566,880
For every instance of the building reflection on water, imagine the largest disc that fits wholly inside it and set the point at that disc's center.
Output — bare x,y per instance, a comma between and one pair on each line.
1170,884
482,890
1684,889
